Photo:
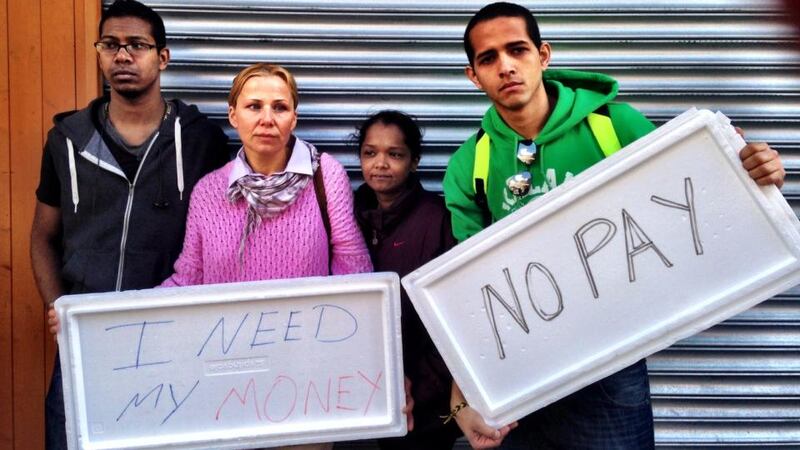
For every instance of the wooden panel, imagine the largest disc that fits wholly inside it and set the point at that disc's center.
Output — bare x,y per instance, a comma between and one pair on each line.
59,51
25,106
87,17
6,371
58,60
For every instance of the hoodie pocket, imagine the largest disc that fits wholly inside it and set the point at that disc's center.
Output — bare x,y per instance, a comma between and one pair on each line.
89,270
145,269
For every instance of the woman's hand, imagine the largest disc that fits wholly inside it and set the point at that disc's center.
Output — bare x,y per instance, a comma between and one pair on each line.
409,408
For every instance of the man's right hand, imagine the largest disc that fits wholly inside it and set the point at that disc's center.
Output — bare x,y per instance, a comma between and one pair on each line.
479,434
52,321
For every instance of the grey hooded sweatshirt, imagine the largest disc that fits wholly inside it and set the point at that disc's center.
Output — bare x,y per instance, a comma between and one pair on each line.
121,233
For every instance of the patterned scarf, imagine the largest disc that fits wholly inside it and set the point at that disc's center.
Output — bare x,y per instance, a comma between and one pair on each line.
268,195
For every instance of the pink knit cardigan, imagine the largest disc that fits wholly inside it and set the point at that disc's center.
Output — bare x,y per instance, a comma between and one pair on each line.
291,245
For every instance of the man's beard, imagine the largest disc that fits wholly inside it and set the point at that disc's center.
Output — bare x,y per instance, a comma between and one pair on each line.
131,94
133,91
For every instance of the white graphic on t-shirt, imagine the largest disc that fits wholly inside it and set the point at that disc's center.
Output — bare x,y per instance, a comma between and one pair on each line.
511,202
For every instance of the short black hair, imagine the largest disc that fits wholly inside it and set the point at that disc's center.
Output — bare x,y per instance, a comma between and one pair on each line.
412,135
132,8
501,9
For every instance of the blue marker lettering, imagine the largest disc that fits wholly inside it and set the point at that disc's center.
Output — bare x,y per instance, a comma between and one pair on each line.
138,363
178,405
137,402
289,326
341,323
259,330
221,324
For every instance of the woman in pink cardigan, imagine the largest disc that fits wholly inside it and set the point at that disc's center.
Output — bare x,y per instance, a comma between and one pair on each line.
258,217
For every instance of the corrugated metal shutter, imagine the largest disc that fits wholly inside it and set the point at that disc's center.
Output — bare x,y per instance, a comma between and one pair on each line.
735,385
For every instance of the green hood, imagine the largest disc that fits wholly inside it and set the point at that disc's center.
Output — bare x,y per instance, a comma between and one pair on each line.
578,94
566,147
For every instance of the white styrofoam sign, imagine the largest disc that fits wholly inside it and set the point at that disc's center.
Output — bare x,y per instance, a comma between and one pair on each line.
658,242
239,365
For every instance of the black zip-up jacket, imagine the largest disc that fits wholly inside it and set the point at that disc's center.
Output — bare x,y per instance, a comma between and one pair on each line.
120,233
414,230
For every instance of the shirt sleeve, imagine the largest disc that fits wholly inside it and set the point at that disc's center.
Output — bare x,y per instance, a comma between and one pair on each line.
349,252
629,123
448,240
49,190
459,195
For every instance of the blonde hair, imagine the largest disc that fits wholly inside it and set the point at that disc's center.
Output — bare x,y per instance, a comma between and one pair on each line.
260,70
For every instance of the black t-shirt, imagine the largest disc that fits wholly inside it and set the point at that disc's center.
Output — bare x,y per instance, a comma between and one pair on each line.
128,156
49,190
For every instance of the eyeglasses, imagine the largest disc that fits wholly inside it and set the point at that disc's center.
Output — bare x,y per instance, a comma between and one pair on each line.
133,48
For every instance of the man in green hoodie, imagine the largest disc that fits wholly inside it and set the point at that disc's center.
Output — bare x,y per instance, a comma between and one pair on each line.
544,127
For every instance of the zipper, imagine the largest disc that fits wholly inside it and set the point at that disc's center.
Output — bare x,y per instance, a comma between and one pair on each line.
127,218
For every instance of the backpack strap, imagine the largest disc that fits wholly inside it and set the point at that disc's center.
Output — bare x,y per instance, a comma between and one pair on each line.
322,201
603,131
599,123
480,175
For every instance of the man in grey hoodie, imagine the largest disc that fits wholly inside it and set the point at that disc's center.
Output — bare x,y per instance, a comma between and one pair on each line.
116,178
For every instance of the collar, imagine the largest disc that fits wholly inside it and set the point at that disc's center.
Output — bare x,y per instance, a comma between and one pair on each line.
370,214
299,163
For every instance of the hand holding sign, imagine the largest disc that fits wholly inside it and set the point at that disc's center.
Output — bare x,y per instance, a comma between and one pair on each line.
763,164
479,434
52,321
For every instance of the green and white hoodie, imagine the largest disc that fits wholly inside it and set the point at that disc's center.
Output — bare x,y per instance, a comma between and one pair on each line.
566,146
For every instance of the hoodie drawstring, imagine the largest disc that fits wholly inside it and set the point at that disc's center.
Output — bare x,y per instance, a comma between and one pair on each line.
179,156
73,175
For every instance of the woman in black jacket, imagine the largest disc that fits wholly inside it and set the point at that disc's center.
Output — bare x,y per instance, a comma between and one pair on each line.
406,226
